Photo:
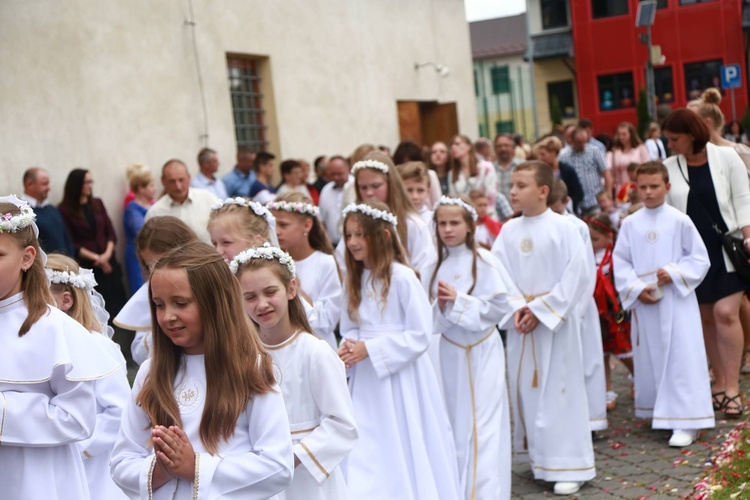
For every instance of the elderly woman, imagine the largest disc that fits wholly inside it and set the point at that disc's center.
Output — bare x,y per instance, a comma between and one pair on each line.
142,186
710,185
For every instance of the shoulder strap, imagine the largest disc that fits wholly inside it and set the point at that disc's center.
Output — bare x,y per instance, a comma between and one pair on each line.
703,207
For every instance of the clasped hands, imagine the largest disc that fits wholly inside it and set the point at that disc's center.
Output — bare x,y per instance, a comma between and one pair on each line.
525,321
175,456
352,352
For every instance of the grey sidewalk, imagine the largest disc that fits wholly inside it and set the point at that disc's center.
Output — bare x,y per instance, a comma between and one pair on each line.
632,460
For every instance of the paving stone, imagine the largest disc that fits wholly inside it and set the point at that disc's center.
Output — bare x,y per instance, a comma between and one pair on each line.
634,460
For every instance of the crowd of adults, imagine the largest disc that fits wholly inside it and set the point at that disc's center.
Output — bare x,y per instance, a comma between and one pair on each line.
79,226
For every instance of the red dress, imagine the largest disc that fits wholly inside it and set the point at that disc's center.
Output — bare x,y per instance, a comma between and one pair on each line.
614,319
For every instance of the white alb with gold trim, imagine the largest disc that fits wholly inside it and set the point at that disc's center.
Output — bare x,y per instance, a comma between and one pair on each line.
321,417
256,462
472,362
545,260
47,402
672,385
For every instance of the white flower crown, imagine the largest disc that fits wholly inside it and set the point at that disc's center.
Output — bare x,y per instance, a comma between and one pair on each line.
255,207
374,164
10,223
265,252
373,213
294,207
84,279
445,200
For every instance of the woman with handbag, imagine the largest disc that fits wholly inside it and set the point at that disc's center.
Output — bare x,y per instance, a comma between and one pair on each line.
709,184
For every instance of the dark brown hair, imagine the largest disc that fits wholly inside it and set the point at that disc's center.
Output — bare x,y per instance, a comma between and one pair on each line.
684,121
635,141
543,174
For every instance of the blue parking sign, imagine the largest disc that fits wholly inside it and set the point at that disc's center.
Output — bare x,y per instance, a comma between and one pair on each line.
731,78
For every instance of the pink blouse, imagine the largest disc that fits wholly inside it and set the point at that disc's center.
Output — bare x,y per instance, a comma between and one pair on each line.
618,161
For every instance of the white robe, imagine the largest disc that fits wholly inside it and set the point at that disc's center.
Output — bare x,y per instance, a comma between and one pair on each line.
319,277
47,402
545,259
672,385
112,393
472,361
421,252
135,316
321,417
405,449
256,462
591,336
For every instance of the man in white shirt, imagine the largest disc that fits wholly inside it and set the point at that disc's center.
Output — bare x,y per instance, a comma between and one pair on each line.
191,206
208,163
337,172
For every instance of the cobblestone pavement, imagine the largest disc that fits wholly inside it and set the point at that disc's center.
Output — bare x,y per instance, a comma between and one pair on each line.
633,460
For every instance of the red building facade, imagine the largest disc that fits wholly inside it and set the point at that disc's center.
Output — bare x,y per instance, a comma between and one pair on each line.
696,37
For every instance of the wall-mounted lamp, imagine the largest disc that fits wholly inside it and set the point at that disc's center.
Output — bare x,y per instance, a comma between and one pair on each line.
439,68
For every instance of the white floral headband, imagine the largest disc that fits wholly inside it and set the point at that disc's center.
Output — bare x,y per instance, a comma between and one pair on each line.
10,223
445,200
294,207
257,208
265,252
373,213
373,164
84,279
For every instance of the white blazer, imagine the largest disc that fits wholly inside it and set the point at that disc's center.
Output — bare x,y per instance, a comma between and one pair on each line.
730,183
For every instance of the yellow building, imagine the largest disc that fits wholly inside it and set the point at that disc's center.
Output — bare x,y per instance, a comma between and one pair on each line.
553,59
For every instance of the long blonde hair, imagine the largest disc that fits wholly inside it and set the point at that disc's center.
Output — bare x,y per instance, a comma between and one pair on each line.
237,367
383,248
34,281
81,309
399,203
708,107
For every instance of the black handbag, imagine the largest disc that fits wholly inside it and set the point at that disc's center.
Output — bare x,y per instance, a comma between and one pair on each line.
733,246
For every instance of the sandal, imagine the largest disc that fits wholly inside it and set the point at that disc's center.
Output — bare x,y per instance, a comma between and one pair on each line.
719,400
733,406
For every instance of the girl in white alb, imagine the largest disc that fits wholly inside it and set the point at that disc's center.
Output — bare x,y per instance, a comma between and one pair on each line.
469,295
405,448
48,367
206,419
303,236
71,286
157,237
312,376
376,179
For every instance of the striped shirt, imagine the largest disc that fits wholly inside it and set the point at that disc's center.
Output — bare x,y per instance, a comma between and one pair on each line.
589,164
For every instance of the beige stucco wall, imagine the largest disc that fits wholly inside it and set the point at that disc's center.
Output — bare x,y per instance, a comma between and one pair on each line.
100,84
545,71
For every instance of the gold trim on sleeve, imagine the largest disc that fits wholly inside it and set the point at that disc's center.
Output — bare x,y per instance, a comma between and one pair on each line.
86,454
197,480
551,310
2,419
150,479
131,328
322,469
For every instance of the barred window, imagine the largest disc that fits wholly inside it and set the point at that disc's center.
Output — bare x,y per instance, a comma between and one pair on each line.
247,102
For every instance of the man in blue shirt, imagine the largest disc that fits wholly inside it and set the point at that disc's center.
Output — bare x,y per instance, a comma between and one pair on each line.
264,171
53,234
239,181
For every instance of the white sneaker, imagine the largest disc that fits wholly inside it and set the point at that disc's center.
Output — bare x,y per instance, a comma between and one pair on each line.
567,488
682,437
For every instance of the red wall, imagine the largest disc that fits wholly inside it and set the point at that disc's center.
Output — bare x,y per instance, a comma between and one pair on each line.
686,33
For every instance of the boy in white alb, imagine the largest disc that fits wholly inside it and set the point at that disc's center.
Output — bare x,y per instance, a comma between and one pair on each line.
417,183
659,260
544,257
591,330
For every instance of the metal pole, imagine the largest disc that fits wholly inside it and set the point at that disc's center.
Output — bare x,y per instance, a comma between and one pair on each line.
530,53
734,111
650,87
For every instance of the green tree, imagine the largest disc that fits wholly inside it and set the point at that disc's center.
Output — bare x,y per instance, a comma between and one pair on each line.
642,109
